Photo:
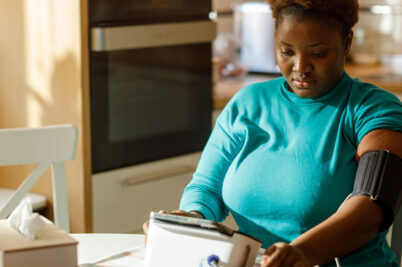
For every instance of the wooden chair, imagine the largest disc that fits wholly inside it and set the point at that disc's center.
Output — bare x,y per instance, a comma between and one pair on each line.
48,146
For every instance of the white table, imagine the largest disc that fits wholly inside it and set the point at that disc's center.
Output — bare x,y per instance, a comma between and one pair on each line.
93,247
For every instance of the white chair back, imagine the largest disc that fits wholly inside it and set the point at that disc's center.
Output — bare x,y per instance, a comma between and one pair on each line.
48,146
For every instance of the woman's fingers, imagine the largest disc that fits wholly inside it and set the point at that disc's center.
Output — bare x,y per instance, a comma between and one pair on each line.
145,227
283,255
293,260
302,259
187,214
275,255
179,212
270,250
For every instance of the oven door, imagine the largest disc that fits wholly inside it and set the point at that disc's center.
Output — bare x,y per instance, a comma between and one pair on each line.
129,12
150,92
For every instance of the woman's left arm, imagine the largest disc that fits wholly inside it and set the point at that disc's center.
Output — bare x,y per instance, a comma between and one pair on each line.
353,225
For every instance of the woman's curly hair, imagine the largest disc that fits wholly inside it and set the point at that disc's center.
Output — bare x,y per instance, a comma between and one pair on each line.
345,11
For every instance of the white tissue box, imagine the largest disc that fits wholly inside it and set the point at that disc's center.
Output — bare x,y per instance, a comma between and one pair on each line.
52,247
187,242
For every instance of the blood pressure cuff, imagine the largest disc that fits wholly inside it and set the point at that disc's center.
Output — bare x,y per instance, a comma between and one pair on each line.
379,176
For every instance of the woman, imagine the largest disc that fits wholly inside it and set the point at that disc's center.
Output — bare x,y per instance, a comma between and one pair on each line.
283,154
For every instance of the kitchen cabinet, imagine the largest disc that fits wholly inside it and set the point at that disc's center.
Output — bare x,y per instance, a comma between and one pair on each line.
123,198
224,16
388,77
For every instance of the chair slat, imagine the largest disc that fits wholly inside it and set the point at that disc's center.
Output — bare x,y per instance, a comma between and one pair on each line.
23,189
28,146
60,196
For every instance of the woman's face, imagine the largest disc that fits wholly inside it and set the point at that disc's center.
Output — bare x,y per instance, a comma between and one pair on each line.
310,55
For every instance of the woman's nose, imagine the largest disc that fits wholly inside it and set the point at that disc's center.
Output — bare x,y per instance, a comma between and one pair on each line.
302,65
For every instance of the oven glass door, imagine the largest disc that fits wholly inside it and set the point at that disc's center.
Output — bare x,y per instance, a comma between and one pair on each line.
120,12
149,103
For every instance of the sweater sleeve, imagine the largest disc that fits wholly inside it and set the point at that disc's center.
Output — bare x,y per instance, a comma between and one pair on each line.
204,193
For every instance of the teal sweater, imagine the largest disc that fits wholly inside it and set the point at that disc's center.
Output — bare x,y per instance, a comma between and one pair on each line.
281,164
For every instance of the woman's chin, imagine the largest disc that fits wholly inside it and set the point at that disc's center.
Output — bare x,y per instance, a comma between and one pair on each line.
306,92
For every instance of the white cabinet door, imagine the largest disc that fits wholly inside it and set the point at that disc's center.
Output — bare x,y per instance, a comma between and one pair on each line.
123,199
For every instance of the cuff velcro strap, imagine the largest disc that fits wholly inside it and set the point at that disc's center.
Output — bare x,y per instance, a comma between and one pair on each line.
379,175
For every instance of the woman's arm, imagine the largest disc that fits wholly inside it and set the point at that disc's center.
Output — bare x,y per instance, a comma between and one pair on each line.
201,197
354,224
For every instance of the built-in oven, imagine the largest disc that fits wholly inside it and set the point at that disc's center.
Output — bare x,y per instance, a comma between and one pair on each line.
150,80
151,104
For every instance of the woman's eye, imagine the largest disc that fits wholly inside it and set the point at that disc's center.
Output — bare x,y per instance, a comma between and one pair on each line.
287,53
320,54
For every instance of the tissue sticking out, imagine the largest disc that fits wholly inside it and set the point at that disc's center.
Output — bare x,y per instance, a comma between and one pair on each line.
24,220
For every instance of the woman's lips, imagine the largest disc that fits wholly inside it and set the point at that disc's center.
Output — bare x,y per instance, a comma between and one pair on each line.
303,83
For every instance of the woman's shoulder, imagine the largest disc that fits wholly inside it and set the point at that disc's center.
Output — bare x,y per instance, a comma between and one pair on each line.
251,100
266,86
363,92
366,98
373,108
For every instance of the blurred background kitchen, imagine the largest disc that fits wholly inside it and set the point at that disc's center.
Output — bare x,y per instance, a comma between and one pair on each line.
143,81
246,27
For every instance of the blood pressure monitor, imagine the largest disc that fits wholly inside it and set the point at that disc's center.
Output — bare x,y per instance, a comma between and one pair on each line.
186,241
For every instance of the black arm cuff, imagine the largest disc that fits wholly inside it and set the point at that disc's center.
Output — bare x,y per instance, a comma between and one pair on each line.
379,175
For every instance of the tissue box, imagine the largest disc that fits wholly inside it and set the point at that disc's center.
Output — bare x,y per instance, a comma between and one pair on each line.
52,247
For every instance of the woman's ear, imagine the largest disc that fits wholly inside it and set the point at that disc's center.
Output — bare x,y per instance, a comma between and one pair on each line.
347,42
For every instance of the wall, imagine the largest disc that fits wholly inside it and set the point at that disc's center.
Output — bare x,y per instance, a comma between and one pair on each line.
41,83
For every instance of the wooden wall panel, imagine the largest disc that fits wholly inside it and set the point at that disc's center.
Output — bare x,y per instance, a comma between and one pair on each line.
41,83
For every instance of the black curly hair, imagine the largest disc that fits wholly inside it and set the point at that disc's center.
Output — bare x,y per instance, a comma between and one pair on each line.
343,12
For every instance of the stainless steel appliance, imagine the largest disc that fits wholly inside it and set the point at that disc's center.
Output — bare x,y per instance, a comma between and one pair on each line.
151,81
151,104
254,26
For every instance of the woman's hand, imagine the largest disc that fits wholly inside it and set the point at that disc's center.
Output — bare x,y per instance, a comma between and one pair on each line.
194,214
284,255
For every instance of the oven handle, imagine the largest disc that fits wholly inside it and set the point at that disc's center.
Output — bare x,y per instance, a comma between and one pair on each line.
153,35
158,175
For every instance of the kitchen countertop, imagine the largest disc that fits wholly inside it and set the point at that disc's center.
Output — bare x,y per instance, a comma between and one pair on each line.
384,76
